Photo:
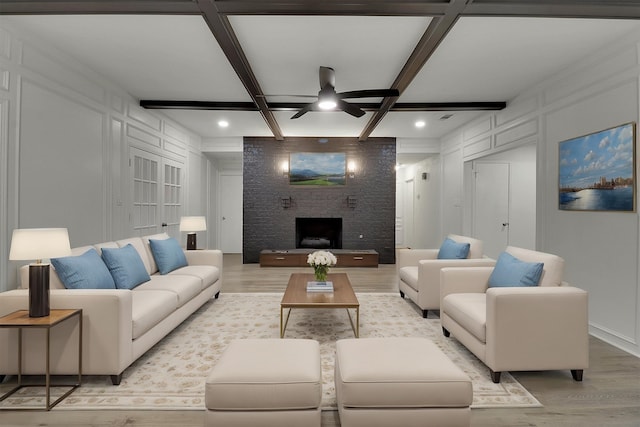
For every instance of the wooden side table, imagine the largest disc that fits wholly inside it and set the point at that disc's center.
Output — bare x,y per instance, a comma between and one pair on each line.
20,319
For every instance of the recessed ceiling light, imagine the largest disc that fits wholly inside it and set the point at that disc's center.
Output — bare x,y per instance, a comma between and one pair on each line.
420,124
223,123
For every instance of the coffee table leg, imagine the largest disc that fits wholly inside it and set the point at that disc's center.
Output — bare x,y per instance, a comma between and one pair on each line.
283,327
356,327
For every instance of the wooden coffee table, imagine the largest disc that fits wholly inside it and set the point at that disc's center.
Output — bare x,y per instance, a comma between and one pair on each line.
296,296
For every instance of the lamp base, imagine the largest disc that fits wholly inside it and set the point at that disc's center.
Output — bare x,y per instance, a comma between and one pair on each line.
38,290
191,241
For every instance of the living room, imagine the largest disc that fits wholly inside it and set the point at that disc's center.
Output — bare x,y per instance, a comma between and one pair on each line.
72,139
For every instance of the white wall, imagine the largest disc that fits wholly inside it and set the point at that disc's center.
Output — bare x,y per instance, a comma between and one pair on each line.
600,248
424,229
65,135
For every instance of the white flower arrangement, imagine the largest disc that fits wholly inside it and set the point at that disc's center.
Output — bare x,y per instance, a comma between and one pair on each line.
321,261
321,258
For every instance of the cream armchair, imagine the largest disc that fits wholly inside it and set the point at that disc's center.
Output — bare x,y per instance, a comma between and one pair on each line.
533,328
419,271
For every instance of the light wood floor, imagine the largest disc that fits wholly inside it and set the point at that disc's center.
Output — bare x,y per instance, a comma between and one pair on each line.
608,396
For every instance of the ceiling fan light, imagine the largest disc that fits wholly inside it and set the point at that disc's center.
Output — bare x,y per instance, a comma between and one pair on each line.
327,104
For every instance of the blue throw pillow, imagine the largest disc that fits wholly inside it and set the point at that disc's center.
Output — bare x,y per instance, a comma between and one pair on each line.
86,271
168,254
453,250
510,271
126,266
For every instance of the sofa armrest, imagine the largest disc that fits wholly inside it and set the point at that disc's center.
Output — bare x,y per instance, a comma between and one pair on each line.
464,280
205,257
429,275
410,257
107,333
537,328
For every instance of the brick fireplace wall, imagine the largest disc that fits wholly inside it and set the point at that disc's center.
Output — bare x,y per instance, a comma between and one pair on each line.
271,205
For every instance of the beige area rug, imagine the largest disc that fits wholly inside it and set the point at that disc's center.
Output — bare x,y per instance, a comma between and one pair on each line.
172,374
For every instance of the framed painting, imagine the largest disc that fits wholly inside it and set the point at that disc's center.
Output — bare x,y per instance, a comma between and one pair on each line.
597,171
317,169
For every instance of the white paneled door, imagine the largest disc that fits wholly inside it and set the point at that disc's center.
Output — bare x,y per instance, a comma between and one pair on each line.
157,194
230,221
491,206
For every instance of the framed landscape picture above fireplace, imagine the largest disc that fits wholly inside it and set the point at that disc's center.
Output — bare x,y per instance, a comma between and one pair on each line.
597,171
317,169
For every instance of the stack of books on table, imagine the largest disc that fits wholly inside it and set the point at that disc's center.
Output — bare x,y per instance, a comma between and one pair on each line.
319,286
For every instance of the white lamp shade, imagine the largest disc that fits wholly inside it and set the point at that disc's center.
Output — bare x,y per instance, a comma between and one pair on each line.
39,243
193,223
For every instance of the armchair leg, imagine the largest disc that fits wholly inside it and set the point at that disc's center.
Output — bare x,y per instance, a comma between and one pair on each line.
424,313
401,294
495,376
577,374
217,295
445,332
115,379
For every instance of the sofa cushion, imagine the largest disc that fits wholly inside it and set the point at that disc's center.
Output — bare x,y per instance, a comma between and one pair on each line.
185,288
150,308
167,254
207,274
553,270
409,275
510,271
469,311
142,248
86,271
153,268
126,266
453,250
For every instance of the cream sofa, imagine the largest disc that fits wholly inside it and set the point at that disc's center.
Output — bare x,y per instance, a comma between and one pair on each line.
530,328
119,325
419,271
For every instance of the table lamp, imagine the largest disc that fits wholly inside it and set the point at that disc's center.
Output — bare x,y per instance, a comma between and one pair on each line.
38,244
191,224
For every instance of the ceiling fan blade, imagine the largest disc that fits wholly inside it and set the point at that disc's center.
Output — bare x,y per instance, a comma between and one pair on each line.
304,110
350,109
369,93
282,95
327,77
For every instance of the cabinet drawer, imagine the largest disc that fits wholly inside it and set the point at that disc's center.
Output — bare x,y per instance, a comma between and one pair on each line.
357,260
282,260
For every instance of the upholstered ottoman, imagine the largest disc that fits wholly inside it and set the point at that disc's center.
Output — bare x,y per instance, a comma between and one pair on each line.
399,382
265,382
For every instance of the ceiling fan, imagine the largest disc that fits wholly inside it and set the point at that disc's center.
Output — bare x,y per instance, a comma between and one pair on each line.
329,100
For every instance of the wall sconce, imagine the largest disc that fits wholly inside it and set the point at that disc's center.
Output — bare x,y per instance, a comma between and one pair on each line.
284,167
352,201
351,168
285,202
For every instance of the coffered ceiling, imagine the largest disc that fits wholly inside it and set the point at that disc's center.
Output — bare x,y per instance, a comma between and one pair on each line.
233,56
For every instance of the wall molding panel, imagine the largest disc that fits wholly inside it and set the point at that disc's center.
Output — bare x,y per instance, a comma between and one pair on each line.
33,59
596,93
517,133
65,138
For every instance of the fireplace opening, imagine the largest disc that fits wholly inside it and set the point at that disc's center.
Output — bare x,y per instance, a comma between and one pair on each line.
319,233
